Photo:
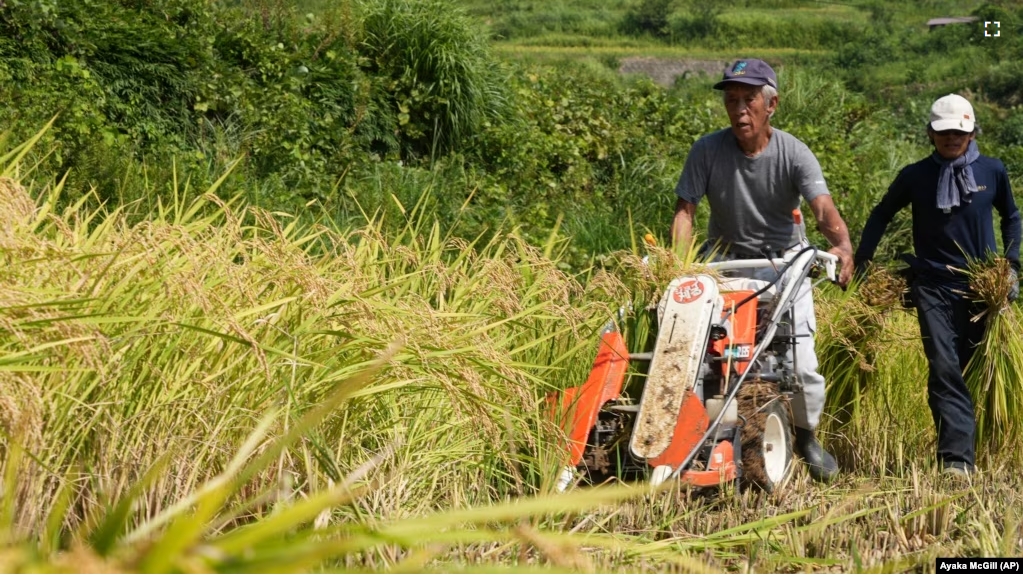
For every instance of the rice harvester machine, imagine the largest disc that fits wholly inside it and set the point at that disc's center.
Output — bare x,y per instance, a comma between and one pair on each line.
713,405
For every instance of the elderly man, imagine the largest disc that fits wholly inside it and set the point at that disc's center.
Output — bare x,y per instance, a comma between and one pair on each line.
952,194
754,176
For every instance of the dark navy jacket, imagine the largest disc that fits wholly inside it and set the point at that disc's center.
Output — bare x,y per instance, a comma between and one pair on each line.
942,240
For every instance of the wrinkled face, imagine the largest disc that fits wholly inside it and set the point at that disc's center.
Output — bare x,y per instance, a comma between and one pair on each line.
950,144
747,110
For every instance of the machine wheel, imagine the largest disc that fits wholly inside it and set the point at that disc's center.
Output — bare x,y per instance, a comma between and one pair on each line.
767,442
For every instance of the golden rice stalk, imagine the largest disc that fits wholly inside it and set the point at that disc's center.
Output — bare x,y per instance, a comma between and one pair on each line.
995,373
991,282
882,290
647,277
16,208
15,203
850,336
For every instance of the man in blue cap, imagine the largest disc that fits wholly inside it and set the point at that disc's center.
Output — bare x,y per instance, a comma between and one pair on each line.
953,194
755,176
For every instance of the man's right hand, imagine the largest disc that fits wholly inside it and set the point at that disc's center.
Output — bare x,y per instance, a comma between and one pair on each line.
845,263
831,225
682,225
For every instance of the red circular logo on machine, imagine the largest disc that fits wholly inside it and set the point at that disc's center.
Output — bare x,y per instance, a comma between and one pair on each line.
688,291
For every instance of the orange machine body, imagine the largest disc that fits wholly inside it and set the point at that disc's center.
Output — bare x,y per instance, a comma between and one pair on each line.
721,468
693,420
581,405
739,343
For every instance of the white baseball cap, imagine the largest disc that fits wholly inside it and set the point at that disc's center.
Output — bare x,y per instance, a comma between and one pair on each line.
952,112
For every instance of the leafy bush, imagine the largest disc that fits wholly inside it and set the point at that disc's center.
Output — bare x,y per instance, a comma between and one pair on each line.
440,80
141,67
698,22
303,100
648,17
582,144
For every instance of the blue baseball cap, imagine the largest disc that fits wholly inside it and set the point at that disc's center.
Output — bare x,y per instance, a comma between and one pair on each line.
750,71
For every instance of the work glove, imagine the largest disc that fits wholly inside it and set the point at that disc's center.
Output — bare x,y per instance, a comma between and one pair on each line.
1013,285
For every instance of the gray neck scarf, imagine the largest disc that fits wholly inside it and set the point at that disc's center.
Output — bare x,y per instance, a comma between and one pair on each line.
955,180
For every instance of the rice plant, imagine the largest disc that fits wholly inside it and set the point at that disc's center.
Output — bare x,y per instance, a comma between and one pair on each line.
995,373
126,343
851,330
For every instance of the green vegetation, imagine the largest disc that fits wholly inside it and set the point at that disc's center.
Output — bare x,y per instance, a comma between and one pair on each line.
291,280
344,104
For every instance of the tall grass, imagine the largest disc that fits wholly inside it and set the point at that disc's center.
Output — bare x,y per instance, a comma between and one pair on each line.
444,84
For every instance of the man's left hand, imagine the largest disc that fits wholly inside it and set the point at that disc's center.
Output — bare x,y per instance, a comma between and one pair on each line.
1013,285
845,262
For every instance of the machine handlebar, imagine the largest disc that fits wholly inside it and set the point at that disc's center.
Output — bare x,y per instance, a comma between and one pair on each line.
827,260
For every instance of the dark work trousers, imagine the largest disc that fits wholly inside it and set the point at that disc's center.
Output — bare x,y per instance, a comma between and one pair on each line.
950,339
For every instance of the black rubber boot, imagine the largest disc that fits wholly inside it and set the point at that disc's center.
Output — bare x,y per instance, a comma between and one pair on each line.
820,463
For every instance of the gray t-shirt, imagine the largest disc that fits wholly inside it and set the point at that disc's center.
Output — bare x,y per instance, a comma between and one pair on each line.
751,199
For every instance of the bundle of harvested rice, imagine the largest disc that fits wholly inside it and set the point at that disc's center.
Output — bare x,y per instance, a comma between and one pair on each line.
995,373
849,336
